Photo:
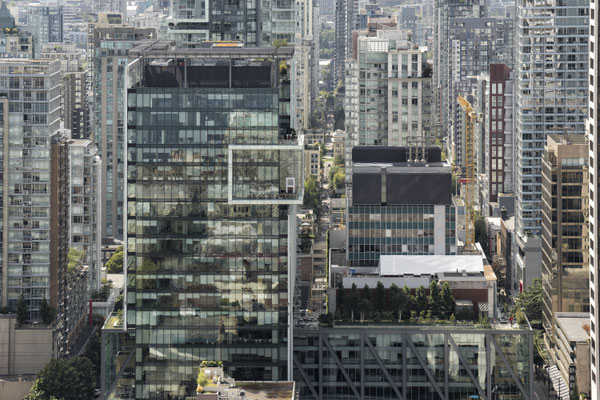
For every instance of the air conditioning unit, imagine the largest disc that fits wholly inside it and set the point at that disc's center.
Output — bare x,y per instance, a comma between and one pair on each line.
290,185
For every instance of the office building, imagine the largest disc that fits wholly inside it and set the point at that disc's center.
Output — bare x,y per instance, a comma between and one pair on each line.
592,124
14,42
413,362
565,244
570,375
551,97
85,224
109,45
45,22
400,206
225,247
33,242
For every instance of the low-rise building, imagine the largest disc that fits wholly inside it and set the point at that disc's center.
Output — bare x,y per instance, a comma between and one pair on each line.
468,276
312,163
339,140
571,354
25,349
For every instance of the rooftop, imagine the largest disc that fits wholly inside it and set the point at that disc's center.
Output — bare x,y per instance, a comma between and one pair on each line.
165,49
572,324
396,265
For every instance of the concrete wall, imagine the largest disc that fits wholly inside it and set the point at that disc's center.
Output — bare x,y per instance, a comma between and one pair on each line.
15,390
24,351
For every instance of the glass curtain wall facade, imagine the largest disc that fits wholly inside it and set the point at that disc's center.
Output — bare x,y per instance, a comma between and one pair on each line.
214,174
413,363
551,92
396,229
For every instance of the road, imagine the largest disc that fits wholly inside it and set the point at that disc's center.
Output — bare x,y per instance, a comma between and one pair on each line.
538,391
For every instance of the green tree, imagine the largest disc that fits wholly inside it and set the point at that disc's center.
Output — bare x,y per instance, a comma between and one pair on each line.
434,299
277,43
448,304
481,233
332,171
75,257
366,308
379,297
531,302
352,300
411,301
72,379
366,293
22,310
398,300
311,195
339,160
47,312
421,299
340,297
339,179
115,264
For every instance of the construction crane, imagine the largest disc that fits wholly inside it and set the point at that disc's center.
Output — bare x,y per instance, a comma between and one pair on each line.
471,119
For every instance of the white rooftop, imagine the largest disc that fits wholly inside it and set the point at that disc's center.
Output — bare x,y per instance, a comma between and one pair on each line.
395,265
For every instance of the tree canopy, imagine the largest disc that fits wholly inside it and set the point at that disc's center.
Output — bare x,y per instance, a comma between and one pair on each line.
115,264
435,302
312,198
72,379
47,312
22,310
531,302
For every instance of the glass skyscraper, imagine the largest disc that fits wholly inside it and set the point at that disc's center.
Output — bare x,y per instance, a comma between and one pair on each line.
214,172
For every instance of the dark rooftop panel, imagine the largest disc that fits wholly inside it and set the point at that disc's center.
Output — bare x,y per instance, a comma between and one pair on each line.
389,154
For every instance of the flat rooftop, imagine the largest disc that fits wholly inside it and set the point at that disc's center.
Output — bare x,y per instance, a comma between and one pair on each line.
166,49
396,265
572,324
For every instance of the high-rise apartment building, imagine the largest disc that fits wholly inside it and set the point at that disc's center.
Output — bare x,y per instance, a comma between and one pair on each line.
214,173
110,44
500,140
14,42
389,95
255,23
75,108
85,223
565,239
252,22
444,11
475,43
551,97
33,165
593,135
45,22
345,23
